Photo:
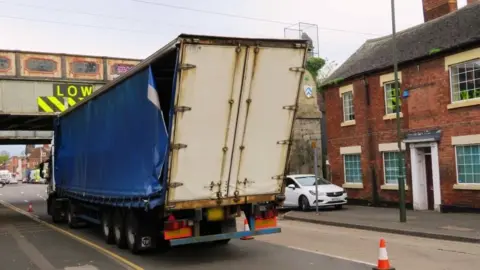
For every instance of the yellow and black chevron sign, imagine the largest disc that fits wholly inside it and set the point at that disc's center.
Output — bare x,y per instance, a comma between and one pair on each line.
56,104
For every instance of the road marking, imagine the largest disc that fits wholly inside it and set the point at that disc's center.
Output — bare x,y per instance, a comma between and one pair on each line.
76,237
331,256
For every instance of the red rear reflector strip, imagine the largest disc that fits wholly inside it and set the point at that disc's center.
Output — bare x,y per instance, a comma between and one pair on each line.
180,233
265,223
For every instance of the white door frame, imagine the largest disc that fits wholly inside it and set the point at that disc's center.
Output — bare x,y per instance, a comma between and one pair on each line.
419,181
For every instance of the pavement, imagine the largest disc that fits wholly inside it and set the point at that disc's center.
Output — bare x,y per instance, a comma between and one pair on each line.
446,226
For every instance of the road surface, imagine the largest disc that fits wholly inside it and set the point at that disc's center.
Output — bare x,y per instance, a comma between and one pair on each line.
299,246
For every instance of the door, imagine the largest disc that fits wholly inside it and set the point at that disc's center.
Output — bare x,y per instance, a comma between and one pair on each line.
265,120
291,196
206,101
429,178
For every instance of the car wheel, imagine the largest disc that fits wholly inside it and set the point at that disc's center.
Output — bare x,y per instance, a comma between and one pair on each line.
303,203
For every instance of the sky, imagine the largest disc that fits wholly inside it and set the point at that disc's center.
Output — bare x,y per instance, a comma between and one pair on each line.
137,28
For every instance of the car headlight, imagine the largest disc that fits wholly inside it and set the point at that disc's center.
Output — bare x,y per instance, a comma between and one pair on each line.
319,194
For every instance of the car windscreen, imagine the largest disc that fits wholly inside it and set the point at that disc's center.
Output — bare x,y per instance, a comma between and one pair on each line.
310,181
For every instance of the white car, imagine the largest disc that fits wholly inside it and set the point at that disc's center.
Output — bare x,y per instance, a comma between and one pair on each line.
300,192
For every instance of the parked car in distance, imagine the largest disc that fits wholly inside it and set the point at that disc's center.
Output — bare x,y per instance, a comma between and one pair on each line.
300,192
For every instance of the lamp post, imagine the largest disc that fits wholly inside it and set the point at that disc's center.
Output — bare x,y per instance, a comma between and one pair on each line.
400,179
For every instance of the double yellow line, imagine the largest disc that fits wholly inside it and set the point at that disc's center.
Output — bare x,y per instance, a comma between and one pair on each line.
76,237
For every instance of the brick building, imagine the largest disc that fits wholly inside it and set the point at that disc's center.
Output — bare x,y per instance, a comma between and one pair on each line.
439,78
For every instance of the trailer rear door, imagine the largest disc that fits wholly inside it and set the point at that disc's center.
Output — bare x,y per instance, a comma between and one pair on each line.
207,96
265,122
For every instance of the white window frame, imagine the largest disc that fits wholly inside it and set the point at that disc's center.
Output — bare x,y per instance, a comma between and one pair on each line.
343,106
451,80
391,147
385,97
456,164
351,150
345,169
343,90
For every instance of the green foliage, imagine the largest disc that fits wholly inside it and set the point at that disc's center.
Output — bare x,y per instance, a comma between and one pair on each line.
314,64
4,156
435,50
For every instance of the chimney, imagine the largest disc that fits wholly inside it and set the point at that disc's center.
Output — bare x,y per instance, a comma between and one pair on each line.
433,9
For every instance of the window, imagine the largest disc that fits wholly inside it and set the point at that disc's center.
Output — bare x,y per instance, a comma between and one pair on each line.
41,65
348,113
290,181
391,98
465,80
4,63
84,67
390,165
353,169
468,164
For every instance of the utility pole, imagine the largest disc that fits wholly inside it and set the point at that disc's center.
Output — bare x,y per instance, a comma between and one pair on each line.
400,179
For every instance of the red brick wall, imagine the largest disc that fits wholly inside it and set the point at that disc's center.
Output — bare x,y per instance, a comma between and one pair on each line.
433,9
425,108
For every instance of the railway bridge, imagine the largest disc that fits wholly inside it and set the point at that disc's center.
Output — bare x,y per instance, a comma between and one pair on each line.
36,86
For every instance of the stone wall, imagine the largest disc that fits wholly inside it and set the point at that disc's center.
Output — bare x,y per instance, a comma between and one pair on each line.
306,128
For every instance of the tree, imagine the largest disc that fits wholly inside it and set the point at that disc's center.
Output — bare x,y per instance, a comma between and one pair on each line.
4,156
314,64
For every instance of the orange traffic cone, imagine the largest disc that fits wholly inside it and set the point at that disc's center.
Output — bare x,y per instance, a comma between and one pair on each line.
383,262
30,207
246,228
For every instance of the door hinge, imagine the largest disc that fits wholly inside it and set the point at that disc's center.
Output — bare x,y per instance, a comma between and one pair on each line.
177,146
175,185
297,69
182,109
186,66
290,107
285,142
278,177
245,182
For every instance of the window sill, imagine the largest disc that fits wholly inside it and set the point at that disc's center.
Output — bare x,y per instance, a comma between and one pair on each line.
391,187
463,103
348,123
353,185
466,186
392,116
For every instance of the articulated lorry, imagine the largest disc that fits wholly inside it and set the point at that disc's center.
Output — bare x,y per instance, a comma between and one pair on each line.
175,149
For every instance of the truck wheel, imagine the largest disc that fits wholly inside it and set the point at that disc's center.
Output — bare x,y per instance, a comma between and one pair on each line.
107,227
54,212
71,219
119,229
133,233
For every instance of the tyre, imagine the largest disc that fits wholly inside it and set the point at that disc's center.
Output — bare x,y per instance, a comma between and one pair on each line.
72,220
119,229
132,231
303,203
55,212
107,227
